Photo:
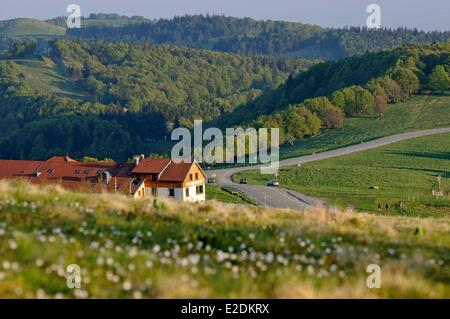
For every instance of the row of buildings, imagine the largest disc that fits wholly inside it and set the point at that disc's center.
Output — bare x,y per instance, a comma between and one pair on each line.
147,177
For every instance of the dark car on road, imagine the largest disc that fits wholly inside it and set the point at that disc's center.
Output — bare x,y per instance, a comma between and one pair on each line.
212,180
272,183
243,181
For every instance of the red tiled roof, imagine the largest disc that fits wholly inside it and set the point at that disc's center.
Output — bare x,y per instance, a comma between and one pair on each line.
175,172
72,174
151,166
15,169
167,170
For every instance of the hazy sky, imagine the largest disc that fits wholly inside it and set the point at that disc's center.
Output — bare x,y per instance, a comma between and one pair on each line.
423,14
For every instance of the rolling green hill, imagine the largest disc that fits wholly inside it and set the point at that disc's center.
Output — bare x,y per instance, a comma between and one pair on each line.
362,86
144,248
132,94
25,27
419,113
250,36
45,77
101,19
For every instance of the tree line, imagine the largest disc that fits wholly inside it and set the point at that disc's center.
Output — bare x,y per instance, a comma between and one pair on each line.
254,37
139,92
327,93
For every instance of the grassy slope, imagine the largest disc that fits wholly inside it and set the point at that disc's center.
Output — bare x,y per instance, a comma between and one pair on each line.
139,248
405,173
29,27
44,76
214,192
420,112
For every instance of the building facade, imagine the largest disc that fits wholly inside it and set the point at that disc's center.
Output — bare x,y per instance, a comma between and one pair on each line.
145,178
167,179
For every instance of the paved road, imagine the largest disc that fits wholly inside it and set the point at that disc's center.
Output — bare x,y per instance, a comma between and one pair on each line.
284,198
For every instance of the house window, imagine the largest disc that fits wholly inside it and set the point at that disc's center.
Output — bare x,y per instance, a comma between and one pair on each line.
171,192
87,172
154,191
77,171
139,193
50,171
190,177
187,192
200,189
196,176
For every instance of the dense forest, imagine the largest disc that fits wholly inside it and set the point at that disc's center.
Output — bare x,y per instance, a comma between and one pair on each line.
179,82
135,94
362,85
249,36
130,86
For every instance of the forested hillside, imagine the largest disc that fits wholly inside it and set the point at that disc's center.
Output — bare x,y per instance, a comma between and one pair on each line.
101,19
356,86
125,98
261,37
179,82
132,95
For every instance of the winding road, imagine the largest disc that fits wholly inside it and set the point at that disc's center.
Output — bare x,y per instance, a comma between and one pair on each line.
278,197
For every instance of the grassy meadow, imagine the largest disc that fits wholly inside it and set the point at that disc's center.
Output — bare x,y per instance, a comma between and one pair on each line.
44,76
397,179
159,249
221,194
418,113
25,27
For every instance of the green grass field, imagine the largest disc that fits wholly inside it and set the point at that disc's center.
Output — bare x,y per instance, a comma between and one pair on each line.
420,112
129,248
44,76
215,192
405,174
29,27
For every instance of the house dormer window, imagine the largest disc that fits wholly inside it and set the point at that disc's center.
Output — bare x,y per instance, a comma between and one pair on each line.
87,172
50,171
78,171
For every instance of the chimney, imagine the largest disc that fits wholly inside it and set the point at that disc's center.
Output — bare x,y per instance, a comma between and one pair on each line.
138,159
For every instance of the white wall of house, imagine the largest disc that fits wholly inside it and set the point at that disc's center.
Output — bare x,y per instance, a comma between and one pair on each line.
194,196
180,193
164,192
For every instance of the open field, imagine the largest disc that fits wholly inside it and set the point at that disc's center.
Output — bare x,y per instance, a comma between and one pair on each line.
44,76
418,113
144,248
29,27
395,179
215,192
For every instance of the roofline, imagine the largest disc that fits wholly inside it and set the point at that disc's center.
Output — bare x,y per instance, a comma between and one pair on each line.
142,181
164,168
159,173
200,167
185,176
